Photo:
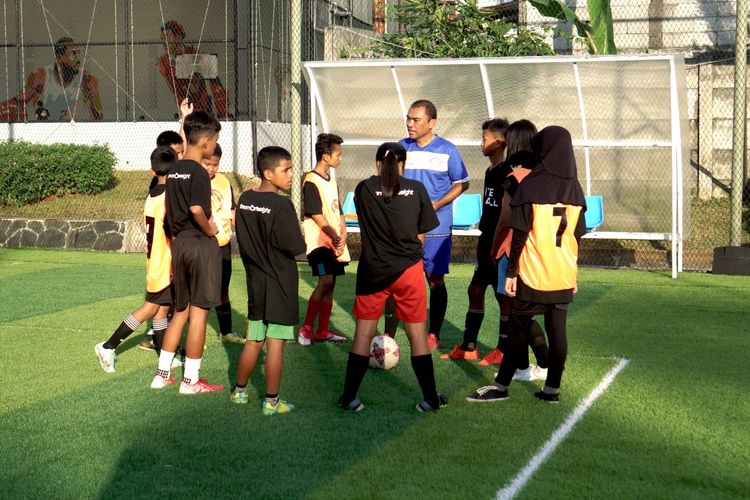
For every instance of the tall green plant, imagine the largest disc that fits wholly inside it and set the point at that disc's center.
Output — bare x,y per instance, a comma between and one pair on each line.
598,32
433,29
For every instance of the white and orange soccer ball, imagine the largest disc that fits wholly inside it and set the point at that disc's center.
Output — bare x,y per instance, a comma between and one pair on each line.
384,352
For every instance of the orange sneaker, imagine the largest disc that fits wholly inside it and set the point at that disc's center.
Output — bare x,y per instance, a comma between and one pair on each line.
458,353
433,342
493,358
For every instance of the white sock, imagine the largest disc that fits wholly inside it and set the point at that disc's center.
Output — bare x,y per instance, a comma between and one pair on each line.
165,360
192,369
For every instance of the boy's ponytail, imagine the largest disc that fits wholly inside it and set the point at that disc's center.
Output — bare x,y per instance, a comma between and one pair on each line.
390,155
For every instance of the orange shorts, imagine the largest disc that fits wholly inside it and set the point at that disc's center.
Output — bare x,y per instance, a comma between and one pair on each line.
408,291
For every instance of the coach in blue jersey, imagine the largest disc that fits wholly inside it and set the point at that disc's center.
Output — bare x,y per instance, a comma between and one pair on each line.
436,163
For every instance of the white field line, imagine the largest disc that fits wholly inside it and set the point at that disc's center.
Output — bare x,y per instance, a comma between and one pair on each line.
520,480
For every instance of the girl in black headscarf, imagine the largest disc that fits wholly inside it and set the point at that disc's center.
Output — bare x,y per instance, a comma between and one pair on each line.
547,222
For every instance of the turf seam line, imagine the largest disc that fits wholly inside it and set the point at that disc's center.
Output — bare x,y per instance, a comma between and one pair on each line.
520,480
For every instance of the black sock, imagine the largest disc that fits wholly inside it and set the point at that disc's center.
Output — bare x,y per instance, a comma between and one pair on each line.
224,315
239,388
474,318
128,326
425,373
438,305
159,339
356,368
538,344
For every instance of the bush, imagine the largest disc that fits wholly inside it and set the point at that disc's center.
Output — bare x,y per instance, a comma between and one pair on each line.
30,173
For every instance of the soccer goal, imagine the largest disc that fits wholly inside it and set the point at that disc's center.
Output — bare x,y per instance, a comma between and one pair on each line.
627,116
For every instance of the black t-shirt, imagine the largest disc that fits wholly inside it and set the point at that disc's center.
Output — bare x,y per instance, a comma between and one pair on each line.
492,198
389,231
188,185
269,236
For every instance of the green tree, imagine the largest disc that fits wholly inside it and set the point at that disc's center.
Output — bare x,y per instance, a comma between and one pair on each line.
598,32
432,29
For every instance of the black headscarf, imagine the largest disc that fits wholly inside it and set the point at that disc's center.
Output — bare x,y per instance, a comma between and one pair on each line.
554,179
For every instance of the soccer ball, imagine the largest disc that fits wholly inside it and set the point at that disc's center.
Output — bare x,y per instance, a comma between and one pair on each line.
384,352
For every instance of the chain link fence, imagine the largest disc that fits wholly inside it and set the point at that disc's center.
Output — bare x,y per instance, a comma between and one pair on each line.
118,69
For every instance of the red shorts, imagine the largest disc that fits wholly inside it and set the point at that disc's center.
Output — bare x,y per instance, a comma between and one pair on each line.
408,291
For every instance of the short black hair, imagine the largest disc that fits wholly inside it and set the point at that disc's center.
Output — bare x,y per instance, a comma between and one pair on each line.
168,137
199,124
429,108
217,150
497,126
162,159
270,157
324,145
518,137
62,45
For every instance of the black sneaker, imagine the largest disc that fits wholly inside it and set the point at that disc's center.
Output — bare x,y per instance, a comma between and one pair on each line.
488,394
147,344
550,398
424,407
354,406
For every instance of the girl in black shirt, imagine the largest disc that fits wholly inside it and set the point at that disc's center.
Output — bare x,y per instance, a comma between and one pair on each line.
394,214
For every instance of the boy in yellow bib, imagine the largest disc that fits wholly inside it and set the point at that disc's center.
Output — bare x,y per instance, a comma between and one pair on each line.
222,207
325,237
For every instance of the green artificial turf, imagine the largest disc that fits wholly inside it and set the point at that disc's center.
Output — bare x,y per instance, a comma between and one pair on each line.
674,423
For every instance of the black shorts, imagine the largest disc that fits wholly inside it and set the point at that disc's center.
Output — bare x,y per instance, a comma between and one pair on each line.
323,263
163,297
485,269
523,308
196,271
226,268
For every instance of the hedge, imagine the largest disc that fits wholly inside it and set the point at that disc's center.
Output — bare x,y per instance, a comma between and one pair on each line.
30,173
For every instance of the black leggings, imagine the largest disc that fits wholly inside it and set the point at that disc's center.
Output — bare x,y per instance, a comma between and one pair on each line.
519,328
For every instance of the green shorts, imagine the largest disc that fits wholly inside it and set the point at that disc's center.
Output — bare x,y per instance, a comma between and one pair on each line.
259,330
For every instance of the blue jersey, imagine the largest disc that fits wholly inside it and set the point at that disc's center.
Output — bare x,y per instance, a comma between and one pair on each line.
438,166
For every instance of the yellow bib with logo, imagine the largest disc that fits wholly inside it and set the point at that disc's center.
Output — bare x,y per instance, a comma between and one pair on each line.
329,197
158,253
221,208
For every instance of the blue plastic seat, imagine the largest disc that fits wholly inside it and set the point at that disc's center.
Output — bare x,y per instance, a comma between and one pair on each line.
350,212
467,210
594,212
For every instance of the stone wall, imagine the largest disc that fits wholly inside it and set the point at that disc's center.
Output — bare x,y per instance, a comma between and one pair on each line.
105,235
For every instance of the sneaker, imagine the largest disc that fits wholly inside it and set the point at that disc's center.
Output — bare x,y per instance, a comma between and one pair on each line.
433,342
488,394
305,336
328,336
458,353
239,397
232,338
177,362
530,374
147,344
493,358
280,407
160,382
354,406
106,357
550,398
200,387
425,407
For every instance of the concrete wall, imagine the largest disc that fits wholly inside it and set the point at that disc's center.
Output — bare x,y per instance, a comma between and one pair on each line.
132,142
647,26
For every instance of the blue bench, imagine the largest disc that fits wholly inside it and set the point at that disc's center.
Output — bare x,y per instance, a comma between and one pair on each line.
467,210
594,212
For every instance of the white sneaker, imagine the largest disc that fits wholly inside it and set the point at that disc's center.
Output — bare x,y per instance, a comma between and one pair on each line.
538,373
106,357
530,374
160,382
177,362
